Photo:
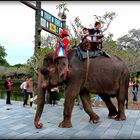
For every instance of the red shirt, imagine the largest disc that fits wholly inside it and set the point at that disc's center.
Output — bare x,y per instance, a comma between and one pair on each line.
10,85
64,44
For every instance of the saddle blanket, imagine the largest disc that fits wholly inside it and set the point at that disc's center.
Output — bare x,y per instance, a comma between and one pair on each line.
92,54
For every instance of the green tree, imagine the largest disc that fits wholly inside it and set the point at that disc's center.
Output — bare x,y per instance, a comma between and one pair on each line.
3,54
130,40
48,43
105,19
62,7
130,44
17,69
109,45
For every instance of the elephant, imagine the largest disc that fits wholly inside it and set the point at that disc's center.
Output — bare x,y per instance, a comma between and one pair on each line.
105,76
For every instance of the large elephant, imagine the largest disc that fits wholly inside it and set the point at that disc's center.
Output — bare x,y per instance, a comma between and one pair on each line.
108,77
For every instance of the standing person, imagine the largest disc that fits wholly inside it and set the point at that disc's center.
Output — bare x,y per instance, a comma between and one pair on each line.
29,87
53,93
8,86
135,90
23,86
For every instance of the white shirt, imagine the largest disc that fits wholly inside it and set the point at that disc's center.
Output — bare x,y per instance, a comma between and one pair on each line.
54,89
23,85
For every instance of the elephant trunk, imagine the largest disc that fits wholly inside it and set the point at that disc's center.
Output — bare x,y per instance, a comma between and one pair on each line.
40,106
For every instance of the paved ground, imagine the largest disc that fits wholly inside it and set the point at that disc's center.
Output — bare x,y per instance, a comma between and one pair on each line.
16,122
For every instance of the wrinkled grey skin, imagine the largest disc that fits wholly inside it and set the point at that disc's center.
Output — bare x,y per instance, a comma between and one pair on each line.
108,77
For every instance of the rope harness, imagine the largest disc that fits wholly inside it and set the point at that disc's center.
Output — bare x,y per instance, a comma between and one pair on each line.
87,68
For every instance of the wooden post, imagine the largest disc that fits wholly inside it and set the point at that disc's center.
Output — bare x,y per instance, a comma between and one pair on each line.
63,19
37,33
37,28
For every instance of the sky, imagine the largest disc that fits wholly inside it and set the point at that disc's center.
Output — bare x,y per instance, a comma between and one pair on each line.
17,22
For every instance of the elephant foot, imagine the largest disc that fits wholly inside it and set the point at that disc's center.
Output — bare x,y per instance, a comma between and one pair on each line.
112,114
111,117
120,118
94,119
38,125
65,124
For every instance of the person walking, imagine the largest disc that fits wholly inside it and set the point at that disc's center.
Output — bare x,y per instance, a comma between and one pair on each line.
8,86
29,92
135,90
23,86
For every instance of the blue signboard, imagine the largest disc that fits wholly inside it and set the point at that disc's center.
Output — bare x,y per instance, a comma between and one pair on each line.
47,16
57,22
50,22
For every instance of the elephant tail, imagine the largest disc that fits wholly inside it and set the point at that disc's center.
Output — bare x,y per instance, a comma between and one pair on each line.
127,86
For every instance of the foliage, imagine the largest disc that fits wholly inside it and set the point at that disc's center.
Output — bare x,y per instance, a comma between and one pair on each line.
17,70
2,70
48,44
105,19
130,45
110,45
62,7
130,56
3,54
76,31
130,40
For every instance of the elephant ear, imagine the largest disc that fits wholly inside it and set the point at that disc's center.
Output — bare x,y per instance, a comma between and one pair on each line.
50,69
44,70
48,59
48,64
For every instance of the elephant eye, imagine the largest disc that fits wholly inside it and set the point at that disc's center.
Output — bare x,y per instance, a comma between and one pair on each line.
64,63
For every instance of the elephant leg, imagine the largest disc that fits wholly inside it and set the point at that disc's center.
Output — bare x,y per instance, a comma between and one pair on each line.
72,91
111,108
121,105
40,105
122,97
85,97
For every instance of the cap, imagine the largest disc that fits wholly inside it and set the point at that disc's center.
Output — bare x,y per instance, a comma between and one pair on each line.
64,32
